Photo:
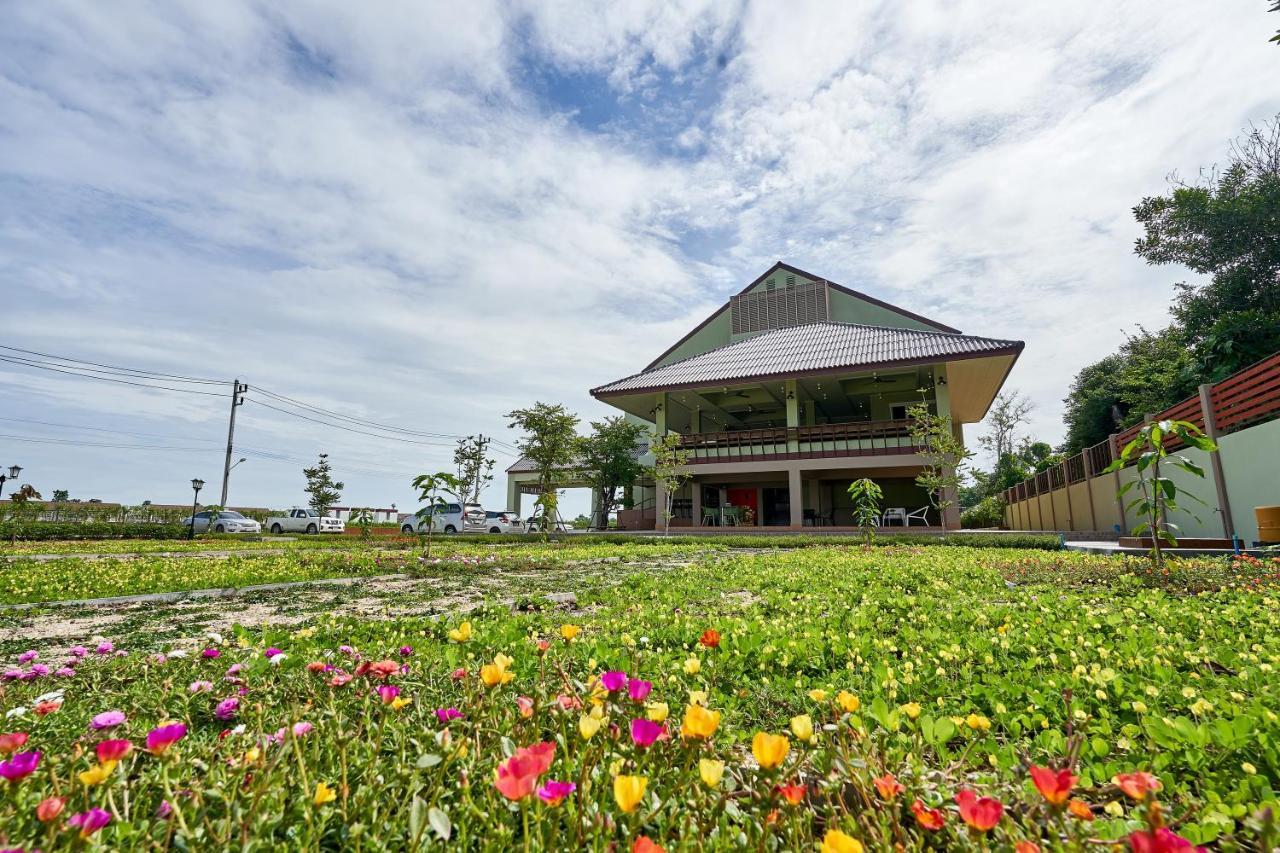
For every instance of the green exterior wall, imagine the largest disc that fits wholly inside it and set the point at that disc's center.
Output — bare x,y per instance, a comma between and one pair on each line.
714,334
850,309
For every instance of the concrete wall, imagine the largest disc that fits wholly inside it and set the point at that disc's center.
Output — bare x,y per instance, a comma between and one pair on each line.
1251,467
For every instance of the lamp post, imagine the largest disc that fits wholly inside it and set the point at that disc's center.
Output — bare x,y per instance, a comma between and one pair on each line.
14,471
196,485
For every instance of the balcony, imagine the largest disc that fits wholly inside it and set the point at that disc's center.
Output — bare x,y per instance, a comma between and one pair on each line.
865,438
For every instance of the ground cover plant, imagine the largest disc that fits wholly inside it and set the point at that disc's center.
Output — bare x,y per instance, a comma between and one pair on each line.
818,698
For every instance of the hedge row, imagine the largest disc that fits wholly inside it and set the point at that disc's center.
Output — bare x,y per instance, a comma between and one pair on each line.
1044,542
40,530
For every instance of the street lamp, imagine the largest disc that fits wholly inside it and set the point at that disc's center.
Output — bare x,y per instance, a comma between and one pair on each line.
196,485
14,471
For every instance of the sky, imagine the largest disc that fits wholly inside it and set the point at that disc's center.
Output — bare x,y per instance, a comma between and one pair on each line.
428,214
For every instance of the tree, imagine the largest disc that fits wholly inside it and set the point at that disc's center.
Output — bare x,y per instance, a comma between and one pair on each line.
866,497
1008,412
433,489
362,519
61,495
321,487
550,442
669,458
942,454
610,462
26,493
474,466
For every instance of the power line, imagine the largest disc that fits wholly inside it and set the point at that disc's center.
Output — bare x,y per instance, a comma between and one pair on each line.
346,428
81,443
103,429
126,370
359,421
30,363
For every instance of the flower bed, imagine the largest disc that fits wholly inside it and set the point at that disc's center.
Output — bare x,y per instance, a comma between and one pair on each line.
825,698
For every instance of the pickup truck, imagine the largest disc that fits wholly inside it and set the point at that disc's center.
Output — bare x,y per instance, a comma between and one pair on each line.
302,520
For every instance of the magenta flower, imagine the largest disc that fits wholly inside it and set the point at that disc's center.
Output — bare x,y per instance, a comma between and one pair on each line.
347,650
104,648
89,822
211,653
64,672
302,728
108,720
614,680
20,766
388,692
164,810
28,656
406,651
553,793
645,732
227,708
161,738
638,690
13,674
444,715
273,651
78,651
200,687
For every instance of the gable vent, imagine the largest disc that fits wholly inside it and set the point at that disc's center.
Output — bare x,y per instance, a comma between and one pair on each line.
797,305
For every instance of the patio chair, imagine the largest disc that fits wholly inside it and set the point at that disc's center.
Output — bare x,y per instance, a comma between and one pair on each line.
921,515
894,513
729,516
710,517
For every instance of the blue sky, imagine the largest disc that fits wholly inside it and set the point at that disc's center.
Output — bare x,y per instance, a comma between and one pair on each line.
433,214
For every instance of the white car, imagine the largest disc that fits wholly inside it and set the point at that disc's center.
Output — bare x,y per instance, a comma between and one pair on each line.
227,521
450,518
506,521
304,520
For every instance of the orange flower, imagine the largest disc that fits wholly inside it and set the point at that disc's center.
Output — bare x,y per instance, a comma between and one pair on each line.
644,844
980,813
1080,809
1054,785
12,742
316,666
710,639
793,794
930,819
50,808
518,775
888,786
1025,846
383,669
1137,785
769,750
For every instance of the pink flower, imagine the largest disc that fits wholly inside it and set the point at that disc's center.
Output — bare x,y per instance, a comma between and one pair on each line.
227,708
13,674
568,703
200,687
104,648
78,651
302,728
347,650
113,750
525,705
28,656
233,670
164,810
22,765
638,690
38,670
553,793
211,653
1163,840
645,732
89,822
406,651
64,672
458,674
161,738
108,720
444,715
272,652
614,680
388,693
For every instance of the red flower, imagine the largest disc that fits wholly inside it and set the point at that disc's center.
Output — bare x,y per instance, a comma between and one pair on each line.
113,750
980,813
1163,840
1137,785
45,708
888,786
644,845
11,743
1025,846
50,808
1054,785
930,819
518,775
383,669
710,638
793,794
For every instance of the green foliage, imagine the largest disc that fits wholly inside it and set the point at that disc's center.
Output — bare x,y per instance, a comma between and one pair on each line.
474,466
1158,495
324,492
362,520
610,461
943,456
550,441
989,512
433,489
866,497
669,456
78,530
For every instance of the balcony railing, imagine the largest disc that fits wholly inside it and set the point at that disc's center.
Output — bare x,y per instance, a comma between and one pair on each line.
868,438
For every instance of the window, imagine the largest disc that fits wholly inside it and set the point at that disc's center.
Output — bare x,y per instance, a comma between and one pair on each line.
898,413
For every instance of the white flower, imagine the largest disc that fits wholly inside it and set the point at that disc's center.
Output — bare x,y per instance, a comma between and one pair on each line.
238,730
15,712
54,696
215,637
275,660
178,653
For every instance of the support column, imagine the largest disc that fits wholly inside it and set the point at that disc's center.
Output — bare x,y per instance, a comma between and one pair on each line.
795,493
1087,457
951,518
695,420
513,496
596,520
1215,461
793,415
1114,444
660,413
695,489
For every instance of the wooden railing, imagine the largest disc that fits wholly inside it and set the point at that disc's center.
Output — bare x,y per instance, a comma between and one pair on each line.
868,438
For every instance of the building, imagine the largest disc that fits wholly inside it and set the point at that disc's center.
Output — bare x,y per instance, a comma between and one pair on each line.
791,390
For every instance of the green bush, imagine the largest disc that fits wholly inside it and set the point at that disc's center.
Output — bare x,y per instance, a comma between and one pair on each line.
988,512
44,530
1044,542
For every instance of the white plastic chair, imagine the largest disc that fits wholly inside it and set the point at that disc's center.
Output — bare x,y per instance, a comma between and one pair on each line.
921,515
893,513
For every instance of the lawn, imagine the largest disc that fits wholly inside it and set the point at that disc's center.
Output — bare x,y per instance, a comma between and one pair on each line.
837,686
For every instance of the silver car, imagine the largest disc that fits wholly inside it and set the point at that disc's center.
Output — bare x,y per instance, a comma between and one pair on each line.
227,521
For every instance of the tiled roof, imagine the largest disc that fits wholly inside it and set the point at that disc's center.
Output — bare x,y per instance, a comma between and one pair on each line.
814,348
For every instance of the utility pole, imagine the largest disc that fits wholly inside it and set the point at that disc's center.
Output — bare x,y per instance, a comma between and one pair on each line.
237,400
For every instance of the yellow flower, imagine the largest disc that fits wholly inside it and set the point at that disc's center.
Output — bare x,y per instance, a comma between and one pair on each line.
628,791
848,701
588,726
1114,808
497,672
460,634
568,632
657,711
697,697
692,666
977,721
400,702
911,709
711,771
836,841
769,750
699,722
1140,707
98,773
1248,768
251,756
802,728
818,695
324,794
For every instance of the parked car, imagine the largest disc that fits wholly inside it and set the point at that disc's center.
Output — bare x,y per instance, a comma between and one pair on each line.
304,520
505,521
450,518
227,521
